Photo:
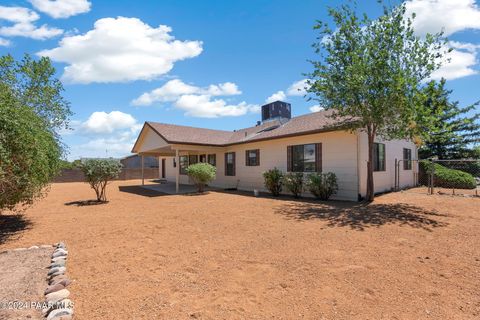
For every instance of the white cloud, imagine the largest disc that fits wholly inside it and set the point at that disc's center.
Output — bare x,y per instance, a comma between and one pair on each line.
433,16
61,8
316,108
198,101
105,134
462,62
102,122
279,95
204,107
23,24
120,50
174,89
4,42
298,88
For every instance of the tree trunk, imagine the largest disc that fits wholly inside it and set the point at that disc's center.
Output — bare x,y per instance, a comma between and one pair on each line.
370,185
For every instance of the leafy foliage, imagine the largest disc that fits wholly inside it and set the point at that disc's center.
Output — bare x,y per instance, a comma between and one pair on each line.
31,109
451,129
322,185
202,174
34,84
273,180
370,71
293,181
98,172
448,178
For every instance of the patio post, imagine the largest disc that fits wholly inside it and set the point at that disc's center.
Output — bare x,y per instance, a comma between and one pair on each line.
143,178
177,171
159,168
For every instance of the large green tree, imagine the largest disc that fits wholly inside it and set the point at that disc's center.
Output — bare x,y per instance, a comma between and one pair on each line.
452,131
31,111
369,72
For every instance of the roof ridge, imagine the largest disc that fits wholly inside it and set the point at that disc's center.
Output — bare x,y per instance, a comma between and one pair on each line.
181,125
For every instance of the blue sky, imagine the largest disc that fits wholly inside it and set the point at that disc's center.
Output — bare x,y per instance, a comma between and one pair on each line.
200,63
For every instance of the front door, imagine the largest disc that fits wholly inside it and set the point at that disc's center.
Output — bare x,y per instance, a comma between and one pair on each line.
163,168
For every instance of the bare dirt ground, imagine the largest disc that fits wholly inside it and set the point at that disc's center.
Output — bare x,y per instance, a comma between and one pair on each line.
22,283
231,256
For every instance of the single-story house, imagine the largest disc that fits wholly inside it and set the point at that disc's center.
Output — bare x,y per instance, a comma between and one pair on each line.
313,142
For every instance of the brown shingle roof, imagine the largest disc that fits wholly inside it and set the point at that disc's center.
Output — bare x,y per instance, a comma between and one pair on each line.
306,124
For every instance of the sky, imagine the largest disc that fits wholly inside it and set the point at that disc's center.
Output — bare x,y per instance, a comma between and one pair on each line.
209,63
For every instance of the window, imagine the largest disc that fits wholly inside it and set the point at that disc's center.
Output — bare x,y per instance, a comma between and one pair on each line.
407,159
378,157
183,164
203,158
252,157
230,163
192,159
305,158
212,159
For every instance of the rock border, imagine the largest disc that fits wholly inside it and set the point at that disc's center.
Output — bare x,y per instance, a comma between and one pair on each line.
57,304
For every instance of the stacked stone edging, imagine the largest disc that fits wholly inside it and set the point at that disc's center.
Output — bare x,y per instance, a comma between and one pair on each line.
58,306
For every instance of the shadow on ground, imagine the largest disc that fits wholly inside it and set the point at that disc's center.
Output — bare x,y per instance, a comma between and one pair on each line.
82,203
360,216
11,225
141,191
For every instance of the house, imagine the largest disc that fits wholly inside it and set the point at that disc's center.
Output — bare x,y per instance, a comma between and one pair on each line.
307,143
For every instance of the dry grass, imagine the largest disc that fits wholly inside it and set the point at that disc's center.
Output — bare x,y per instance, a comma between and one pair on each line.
230,256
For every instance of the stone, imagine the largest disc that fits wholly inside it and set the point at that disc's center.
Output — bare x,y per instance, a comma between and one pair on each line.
57,296
58,263
59,253
57,271
62,304
59,258
57,279
33,247
60,314
53,288
61,245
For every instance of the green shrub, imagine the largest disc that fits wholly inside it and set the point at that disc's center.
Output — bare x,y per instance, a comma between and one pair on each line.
201,174
293,181
448,178
98,172
273,180
322,185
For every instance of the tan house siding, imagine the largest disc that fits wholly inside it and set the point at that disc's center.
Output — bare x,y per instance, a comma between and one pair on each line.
385,180
339,155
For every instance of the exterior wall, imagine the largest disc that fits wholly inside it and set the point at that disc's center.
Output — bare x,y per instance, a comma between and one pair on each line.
385,180
136,162
339,155
76,175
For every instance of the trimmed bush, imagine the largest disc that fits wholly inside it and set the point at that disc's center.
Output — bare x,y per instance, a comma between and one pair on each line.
98,172
273,180
448,178
201,174
293,181
322,185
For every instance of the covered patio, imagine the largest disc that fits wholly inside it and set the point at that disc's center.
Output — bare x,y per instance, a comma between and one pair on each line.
168,187
151,143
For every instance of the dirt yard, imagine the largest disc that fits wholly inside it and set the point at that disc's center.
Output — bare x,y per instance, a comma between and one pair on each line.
230,256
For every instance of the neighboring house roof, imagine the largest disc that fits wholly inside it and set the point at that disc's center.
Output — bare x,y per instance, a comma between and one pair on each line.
274,129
